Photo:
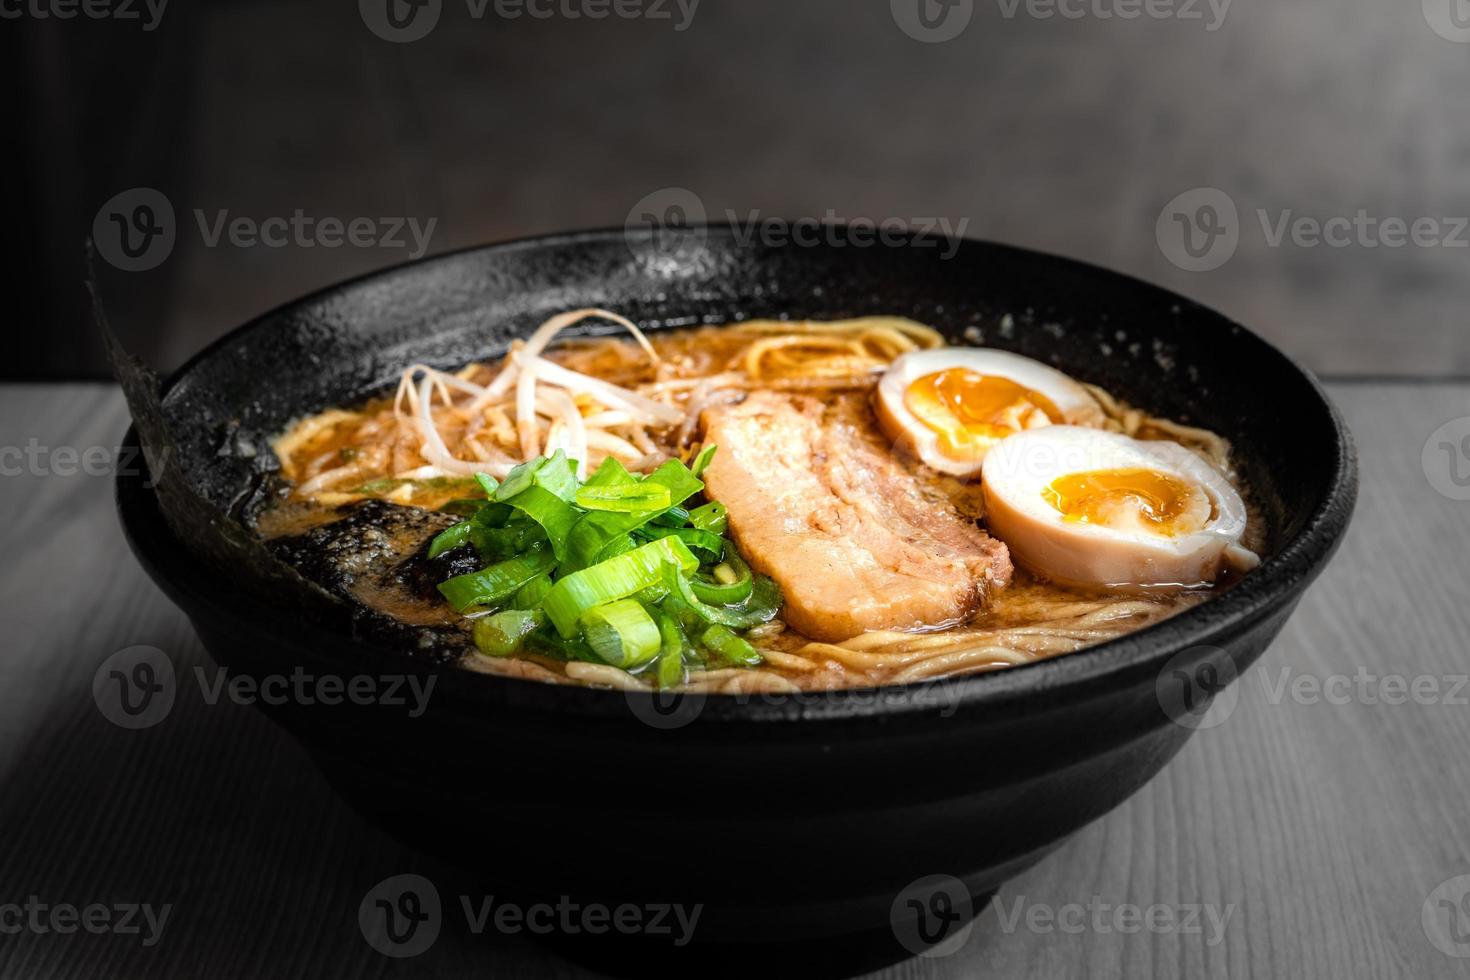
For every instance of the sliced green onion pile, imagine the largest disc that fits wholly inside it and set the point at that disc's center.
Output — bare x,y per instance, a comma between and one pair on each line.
630,571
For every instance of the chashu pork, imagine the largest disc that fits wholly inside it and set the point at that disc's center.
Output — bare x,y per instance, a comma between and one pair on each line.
856,541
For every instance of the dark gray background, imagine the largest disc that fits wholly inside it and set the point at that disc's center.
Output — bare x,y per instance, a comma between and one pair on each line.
1069,135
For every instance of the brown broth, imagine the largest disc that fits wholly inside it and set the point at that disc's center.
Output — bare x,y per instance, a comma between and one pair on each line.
1032,619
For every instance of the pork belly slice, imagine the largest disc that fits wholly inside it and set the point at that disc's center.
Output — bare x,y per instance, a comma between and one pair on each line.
856,541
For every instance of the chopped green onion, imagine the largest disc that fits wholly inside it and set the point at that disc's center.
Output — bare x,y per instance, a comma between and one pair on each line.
616,578
670,671
673,517
761,607
549,643
497,583
457,536
620,545
559,476
610,474
555,474
702,461
594,531
626,499
709,547
622,633
728,584
504,633
533,593
730,648
713,518
614,570
498,543
487,483
493,515
518,479
555,516
676,476
462,508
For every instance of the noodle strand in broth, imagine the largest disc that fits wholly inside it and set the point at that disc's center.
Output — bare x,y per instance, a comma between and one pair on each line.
639,400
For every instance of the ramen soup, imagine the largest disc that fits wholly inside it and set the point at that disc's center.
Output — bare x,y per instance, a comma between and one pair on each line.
761,507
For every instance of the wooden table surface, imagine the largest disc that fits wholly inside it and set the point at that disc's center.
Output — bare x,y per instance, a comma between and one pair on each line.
1319,820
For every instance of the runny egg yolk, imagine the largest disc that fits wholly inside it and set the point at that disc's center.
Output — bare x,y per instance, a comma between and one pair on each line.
1131,499
967,409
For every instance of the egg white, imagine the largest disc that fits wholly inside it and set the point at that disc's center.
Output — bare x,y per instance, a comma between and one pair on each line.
1076,406
1018,470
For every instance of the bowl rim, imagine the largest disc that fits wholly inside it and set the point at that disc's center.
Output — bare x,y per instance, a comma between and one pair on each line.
1280,579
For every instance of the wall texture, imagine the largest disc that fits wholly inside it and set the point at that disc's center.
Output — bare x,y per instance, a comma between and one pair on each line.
1055,124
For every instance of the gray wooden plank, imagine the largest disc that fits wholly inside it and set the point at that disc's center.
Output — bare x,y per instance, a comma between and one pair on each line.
1324,825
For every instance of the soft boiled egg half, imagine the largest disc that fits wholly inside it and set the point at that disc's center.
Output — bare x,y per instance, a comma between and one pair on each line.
950,406
1092,508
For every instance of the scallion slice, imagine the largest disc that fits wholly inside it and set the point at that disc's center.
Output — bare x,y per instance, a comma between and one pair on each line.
610,474
614,579
670,671
499,582
702,461
594,531
713,518
555,516
465,507
727,584
673,517
499,543
555,474
730,648
622,633
761,607
630,498
533,593
504,633
455,537
487,483
709,547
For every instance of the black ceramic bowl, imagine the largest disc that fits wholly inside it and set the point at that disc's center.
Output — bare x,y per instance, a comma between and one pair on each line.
796,822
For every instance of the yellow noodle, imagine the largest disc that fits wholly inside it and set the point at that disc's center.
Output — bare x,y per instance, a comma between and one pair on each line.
788,661
482,425
959,660
604,675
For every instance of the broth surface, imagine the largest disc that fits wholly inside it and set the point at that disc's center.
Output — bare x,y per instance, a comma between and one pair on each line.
334,462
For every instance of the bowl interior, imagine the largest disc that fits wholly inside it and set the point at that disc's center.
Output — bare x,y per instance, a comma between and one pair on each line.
1144,344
